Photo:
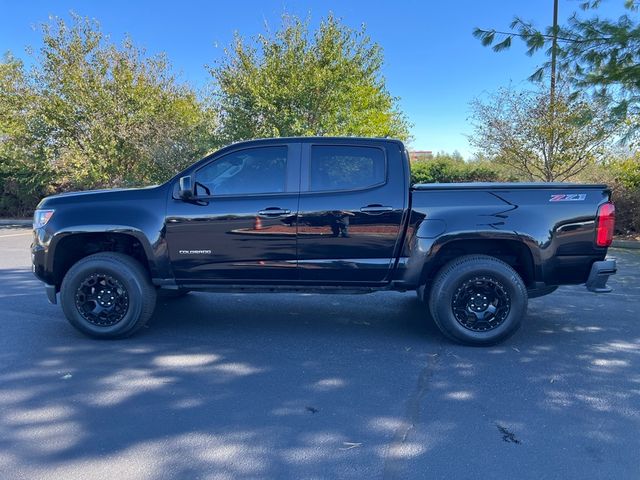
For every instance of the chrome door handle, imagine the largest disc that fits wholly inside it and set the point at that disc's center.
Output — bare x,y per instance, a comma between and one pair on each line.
375,209
273,212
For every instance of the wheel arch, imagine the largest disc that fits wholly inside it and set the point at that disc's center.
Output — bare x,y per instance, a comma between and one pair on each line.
70,246
511,250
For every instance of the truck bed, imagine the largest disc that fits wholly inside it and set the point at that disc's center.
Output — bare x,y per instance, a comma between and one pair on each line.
506,186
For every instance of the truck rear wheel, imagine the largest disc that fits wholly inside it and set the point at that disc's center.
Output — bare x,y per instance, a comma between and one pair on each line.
478,300
107,295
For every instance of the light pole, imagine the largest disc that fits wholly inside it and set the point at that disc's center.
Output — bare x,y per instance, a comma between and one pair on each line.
552,92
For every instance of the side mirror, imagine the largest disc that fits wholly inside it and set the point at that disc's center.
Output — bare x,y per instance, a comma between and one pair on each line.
186,188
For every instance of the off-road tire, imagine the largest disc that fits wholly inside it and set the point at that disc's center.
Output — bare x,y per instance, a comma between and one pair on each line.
460,273
129,276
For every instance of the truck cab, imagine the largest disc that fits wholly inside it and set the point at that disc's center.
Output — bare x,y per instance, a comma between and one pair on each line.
316,211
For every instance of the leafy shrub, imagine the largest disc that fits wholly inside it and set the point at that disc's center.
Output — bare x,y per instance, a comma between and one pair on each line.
626,193
623,176
627,171
445,169
19,196
627,202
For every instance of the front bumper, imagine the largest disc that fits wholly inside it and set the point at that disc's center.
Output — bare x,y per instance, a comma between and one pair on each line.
51,293
38,262
600,273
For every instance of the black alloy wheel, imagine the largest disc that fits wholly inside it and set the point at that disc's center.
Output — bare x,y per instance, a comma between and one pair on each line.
102,299
481,303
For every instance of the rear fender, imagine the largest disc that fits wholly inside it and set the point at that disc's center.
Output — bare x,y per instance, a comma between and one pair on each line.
424,251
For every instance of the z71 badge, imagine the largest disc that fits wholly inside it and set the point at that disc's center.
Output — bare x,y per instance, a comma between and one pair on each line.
568,197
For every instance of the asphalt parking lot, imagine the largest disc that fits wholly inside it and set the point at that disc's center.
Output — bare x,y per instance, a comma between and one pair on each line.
224,386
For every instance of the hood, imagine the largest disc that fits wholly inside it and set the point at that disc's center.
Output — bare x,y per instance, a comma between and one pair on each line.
115,194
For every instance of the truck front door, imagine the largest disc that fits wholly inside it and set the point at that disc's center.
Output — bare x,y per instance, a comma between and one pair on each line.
241,227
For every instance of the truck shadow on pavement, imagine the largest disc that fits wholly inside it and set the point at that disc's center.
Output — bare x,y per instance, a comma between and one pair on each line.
301,386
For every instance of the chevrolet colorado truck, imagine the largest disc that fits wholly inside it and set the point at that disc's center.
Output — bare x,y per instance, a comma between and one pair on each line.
324,215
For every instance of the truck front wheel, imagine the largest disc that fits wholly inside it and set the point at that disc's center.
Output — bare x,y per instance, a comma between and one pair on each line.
107,295
478,300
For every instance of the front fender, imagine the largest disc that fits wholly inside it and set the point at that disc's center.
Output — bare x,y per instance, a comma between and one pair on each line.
151,246
139,214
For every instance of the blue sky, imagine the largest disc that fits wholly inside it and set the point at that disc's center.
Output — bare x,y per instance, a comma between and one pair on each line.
432,62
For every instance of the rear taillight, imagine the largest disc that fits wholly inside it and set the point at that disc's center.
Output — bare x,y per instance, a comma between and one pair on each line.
604,224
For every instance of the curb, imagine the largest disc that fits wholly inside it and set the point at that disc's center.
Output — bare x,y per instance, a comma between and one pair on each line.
632,244
22,222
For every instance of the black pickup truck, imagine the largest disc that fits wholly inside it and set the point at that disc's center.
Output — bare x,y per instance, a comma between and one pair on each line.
326,215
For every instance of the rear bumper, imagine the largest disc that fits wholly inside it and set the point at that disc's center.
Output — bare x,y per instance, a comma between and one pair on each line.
600,273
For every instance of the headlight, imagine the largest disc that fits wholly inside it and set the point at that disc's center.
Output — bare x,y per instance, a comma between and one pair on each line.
41,217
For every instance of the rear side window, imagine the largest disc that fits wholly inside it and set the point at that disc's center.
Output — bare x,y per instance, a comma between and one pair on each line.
246,172
345,167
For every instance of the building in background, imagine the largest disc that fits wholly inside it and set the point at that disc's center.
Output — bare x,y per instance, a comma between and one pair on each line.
420,155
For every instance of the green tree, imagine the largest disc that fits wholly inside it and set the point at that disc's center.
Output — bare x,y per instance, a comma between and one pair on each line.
593,52
295,82
113,115
23,172
520,131
91,113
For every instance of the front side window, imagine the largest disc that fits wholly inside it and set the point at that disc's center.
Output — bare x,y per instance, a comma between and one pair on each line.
246,172
340,167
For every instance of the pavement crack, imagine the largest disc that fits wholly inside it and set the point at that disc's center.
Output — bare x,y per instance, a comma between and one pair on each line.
393,459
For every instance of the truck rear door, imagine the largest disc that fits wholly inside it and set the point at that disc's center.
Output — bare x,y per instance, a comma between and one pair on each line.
352,201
